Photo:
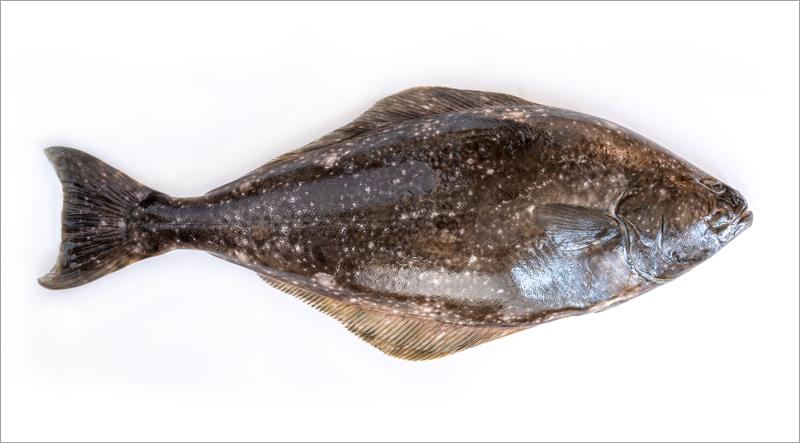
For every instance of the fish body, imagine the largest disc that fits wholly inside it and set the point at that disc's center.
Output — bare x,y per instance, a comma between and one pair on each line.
438,220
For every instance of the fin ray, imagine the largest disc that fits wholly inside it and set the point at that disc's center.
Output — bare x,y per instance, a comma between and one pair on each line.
403,337
406,105
575,227
97,202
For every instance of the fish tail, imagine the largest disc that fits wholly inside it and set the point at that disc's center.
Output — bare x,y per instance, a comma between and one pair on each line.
97,236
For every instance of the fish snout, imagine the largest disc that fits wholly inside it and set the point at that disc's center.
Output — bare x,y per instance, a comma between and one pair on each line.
743,218
731,216
745,221
734,200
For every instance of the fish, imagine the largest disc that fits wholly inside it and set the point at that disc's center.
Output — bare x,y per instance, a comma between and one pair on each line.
438,220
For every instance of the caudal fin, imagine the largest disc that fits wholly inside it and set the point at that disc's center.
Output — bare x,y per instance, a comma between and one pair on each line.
98,202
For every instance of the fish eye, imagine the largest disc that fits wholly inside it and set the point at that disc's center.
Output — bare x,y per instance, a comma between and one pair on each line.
713,184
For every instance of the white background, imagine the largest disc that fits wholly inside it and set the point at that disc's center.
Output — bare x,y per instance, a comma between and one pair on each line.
185,97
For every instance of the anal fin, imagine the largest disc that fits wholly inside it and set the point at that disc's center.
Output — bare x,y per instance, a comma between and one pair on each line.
405,337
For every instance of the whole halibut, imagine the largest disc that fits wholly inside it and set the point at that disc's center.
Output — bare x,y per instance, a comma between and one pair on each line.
438,220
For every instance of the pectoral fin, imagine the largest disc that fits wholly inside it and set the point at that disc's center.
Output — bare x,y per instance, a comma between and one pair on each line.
575,227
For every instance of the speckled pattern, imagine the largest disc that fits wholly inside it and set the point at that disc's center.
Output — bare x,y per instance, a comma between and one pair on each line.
459,208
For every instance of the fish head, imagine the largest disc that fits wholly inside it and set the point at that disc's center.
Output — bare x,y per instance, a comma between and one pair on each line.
680,221
729,216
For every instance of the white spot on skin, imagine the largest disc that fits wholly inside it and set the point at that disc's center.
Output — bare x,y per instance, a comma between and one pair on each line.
325,280
330,160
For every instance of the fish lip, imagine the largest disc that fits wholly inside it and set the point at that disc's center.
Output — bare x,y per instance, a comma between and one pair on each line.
744,221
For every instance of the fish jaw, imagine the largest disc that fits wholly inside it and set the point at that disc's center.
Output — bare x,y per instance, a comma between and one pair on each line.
744,222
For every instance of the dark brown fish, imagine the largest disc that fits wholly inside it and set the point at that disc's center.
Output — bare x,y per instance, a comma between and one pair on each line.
438,220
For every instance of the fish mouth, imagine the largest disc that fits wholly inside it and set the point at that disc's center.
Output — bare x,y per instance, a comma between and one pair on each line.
745,221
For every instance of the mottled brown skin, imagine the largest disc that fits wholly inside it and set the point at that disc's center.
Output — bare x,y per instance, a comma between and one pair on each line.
506,214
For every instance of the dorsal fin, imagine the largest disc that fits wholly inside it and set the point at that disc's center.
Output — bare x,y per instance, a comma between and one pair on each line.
410,104
417,103
403,337
414,103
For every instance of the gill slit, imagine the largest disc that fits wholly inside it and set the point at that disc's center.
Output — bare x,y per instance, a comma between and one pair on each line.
628,231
